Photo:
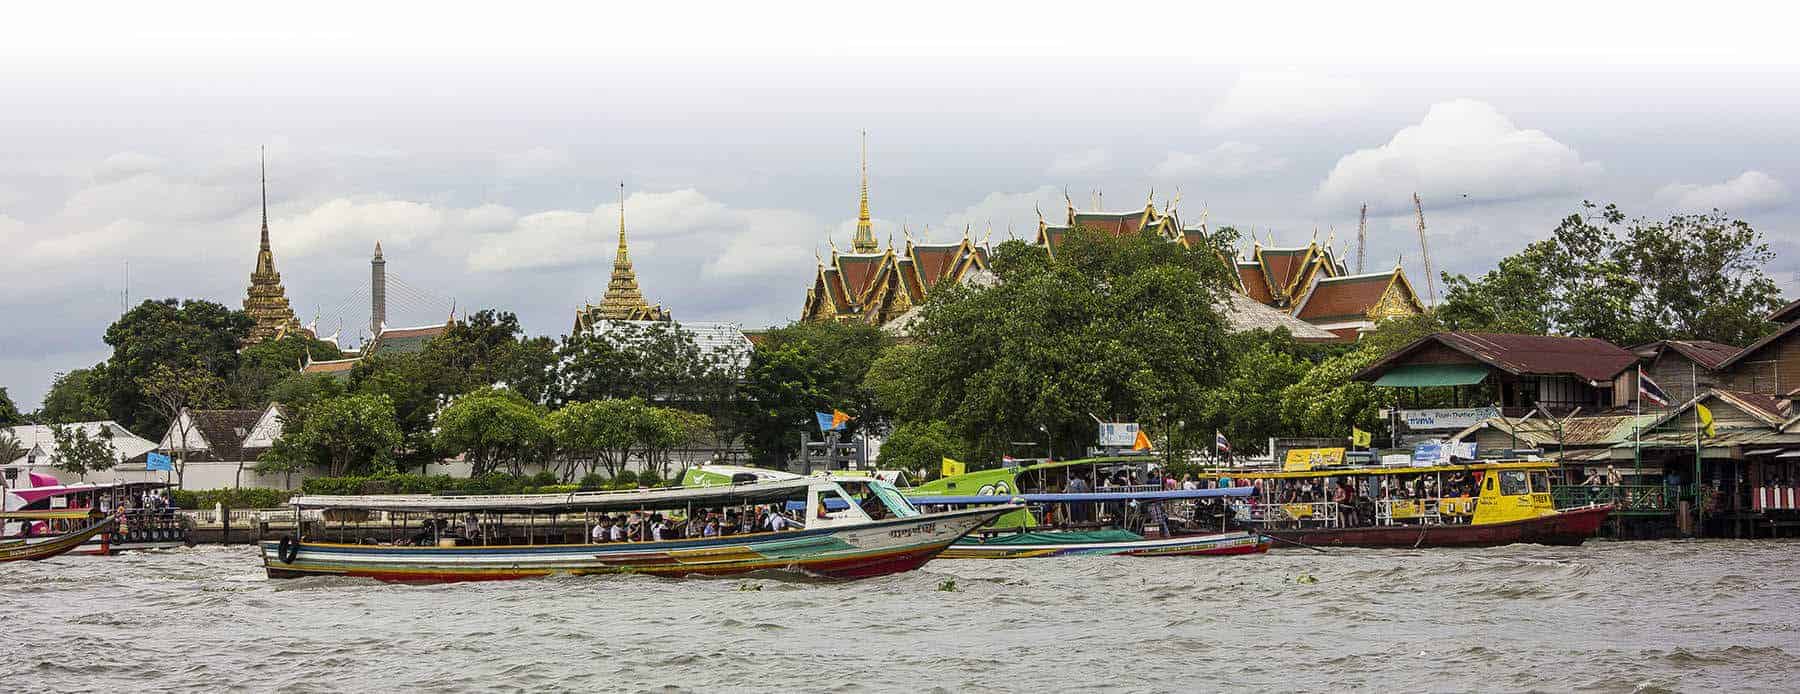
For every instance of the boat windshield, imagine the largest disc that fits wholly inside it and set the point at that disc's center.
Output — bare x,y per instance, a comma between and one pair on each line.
896,503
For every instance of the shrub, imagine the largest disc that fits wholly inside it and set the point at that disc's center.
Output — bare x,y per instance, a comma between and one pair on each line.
247,497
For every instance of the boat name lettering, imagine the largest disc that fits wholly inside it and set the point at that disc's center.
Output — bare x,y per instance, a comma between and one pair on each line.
924,529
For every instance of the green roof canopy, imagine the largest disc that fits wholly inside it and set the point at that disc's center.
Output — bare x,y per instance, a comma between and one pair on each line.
1419,375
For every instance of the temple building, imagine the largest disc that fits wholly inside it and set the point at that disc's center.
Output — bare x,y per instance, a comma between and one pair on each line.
266,301
876,285
622,300
1308,282
1312,284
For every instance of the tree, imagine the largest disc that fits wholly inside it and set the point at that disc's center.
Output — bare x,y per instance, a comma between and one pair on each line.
417,393
78,453
1120,328
170,392
801,369
581,431
1326,403
348,434
10,447
9,413
262,365
919,447
1247,406
493,428
74,397
1692,276
181,335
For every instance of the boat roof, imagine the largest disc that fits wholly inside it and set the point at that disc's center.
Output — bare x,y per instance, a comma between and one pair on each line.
1340,471
34,494
766,491
932,500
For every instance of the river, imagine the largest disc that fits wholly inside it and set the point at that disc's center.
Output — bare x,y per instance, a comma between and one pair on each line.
1609,616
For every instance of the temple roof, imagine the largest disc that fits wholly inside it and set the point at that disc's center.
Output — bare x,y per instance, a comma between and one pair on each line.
1343,297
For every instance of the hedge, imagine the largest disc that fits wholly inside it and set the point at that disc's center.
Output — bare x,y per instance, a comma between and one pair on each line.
247,497
491,483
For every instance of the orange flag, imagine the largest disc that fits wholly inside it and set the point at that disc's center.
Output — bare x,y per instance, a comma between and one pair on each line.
1142,443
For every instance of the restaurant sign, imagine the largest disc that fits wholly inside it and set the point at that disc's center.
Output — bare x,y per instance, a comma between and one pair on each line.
1460,418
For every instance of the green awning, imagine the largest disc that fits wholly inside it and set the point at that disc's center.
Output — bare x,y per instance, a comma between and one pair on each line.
1419,375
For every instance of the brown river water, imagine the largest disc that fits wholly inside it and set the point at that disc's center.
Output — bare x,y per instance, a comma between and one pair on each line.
1608,616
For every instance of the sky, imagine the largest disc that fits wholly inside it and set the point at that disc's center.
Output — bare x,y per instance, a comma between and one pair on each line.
484,145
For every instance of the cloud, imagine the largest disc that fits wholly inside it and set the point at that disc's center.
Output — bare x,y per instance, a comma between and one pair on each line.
1082,162
1229,160
1286,97
1750,191
1461,150
1016,213
534,162
681,224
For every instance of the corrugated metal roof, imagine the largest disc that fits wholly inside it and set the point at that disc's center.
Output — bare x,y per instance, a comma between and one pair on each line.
1706,353
1588,358
1760,344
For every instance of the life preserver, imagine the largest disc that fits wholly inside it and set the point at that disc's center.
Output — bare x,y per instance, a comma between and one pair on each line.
288,549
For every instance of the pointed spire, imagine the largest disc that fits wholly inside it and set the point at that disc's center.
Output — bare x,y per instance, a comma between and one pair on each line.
623,300
623,259
263,165
865,227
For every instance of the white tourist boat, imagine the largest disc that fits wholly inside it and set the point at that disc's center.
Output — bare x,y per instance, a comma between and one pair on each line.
463,538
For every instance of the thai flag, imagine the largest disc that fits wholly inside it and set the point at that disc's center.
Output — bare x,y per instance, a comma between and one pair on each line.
1648,390
1220,443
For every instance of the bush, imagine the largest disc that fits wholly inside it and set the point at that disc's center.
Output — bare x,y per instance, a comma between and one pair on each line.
394,483
248,497
593,481
626,479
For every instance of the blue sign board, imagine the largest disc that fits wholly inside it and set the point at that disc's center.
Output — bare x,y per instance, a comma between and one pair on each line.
158,461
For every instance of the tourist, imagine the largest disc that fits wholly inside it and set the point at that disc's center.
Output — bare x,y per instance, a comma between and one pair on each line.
712,527
1187,483
658,525
1344,497
778,522
615,530
598,535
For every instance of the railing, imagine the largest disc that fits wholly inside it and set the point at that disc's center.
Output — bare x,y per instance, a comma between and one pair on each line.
1626,499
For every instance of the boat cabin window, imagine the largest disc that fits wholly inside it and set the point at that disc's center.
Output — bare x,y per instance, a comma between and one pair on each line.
1513,483
1540,482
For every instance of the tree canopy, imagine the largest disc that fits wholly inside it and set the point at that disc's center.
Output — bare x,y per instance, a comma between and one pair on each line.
1691,277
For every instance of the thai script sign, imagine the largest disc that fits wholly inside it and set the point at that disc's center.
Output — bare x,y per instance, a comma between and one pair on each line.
1441,452
1447,418
1118,434
1303,459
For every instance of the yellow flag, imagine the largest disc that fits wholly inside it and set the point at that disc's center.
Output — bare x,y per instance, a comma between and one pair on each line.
1361,438
1142,443
1706,420
953,468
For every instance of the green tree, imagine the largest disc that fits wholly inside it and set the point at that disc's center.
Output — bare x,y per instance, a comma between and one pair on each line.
1247,406
78,453
1326,403
801,369
1120,328
9,413
493,428
347,434
919,447
11,448
74,397
181,335
262,365
418,394
170,391
1692,276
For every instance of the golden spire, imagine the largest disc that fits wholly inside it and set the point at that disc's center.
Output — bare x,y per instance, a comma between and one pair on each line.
623,300
266,300
865,229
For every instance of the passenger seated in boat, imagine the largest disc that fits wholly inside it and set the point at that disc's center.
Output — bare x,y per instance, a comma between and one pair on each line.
598,535
873,506
711,529
615,530
778,522
471,528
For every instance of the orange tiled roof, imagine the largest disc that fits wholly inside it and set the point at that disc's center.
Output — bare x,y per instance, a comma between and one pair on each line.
1344,297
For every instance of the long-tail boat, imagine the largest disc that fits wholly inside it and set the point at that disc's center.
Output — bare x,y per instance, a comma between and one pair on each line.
30,549
139,527
522,536
1124,525
1474,504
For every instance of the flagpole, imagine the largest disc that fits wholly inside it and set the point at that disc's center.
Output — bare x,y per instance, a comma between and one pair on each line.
1694,382
1637,422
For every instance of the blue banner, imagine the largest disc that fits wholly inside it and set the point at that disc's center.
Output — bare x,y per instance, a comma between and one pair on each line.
158,461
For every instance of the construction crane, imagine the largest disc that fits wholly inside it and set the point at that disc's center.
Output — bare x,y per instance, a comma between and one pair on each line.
1362,236
1425,253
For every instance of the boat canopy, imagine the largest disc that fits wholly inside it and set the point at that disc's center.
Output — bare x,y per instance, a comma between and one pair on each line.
1345,471
1090,497
773,491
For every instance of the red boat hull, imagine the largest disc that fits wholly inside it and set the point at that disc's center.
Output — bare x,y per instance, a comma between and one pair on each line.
1565,528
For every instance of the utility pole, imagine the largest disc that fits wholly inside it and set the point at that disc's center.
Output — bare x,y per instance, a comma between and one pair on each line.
1362,236
1425,254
